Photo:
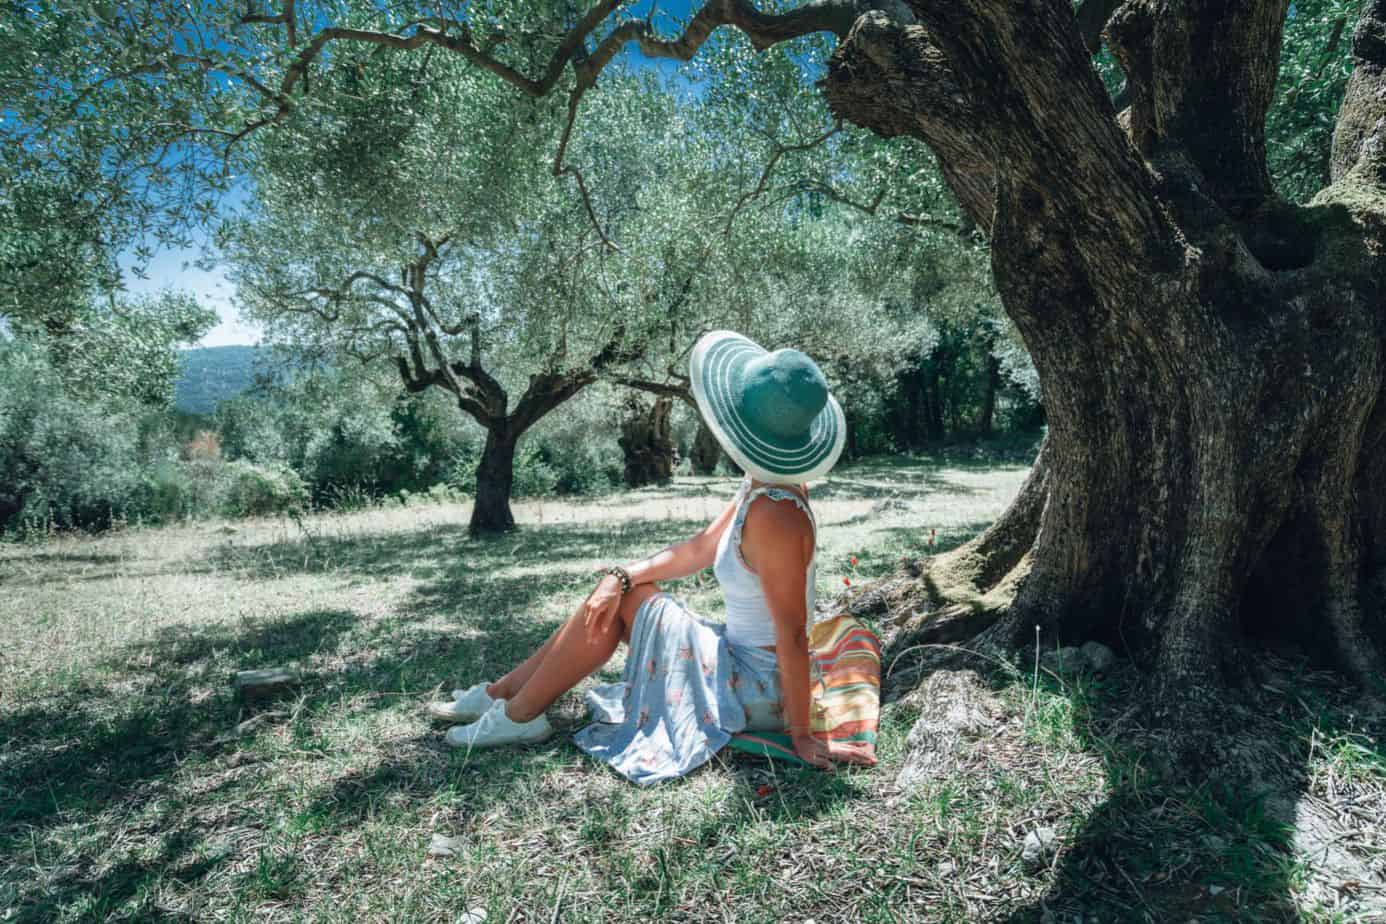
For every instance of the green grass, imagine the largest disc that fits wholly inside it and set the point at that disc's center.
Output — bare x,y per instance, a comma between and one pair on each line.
126,792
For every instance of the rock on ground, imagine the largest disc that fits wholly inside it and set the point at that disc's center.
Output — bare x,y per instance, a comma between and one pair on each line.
956,708
266,683
1100,658
1039,848
443,846
1063,660
1092,656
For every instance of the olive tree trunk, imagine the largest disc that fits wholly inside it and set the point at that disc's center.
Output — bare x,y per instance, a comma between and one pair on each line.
1212,357
647,442
705,452
991,384
495,473
495,477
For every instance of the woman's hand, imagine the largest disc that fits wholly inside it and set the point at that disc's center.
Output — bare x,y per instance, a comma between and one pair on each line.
823,754
601,605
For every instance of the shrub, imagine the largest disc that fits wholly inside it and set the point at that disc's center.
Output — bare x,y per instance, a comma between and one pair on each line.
440,494
346,498
171,491
541,470
344,433
66,463
461,471
577,443
257,490
584,467
534,477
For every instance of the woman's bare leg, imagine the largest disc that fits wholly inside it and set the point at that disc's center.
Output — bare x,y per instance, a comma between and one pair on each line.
510,684
573,653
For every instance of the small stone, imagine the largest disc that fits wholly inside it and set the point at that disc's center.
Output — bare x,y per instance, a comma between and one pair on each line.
1039,848
946,868
1216,890
254,722
475,915
1100,658
1066,659
444,846
260,684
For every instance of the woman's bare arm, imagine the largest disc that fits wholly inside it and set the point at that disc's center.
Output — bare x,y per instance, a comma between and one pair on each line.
676,561
687,557
780,537
786,530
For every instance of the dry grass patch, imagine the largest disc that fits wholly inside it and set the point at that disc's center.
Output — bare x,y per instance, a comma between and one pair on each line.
130,789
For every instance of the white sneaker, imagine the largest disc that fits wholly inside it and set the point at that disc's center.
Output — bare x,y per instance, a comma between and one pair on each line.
495,728
466,705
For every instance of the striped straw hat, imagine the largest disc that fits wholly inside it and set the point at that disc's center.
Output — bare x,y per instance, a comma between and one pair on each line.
770,411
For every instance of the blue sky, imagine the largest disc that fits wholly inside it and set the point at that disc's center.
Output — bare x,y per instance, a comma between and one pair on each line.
177,268
174,269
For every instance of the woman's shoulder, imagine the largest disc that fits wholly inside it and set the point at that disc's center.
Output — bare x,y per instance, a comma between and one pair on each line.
794,516
778,492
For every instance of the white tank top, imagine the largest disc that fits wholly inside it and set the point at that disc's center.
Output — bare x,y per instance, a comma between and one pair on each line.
748,615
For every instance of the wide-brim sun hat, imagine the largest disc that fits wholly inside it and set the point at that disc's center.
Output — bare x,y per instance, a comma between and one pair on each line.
771,411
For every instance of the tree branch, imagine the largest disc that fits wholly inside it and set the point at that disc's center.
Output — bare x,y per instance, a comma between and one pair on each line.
477,408
779,151
926,103
285,17
1359,138
1062,158
414,382
1201,76
546,391
680,391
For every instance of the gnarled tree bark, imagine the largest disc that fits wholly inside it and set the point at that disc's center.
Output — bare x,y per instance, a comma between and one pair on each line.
705,451
1211,356
647,443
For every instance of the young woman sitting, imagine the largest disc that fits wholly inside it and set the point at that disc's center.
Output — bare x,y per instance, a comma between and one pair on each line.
689,685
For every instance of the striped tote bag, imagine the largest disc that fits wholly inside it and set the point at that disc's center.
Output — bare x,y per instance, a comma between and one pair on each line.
845,666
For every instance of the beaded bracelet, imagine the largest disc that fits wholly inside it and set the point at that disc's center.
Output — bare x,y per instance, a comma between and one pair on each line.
621,576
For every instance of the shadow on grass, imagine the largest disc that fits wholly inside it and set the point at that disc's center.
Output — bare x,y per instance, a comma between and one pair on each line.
442,550
1220,847
154,776
64,558
141,755
142,751
31,567
1161,848
87,757
922,485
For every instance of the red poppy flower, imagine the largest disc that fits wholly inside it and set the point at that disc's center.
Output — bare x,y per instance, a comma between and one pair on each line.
764,790
853,560
847,581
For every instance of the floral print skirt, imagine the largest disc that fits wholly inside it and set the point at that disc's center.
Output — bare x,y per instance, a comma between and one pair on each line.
686,690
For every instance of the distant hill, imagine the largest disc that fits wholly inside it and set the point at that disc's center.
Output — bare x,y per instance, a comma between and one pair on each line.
212,375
